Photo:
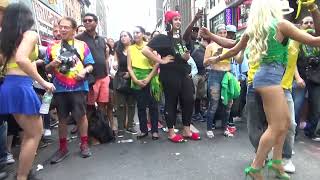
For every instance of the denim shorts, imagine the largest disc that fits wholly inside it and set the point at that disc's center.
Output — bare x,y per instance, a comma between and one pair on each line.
268,75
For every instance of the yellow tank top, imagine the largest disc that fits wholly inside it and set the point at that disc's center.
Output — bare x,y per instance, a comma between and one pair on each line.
138,60
33,56
225,61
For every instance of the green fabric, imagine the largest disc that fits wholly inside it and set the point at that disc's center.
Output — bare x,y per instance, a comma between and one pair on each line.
155,85
276,52
230,88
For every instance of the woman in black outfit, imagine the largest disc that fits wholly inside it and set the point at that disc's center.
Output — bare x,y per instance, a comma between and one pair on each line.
174,75
125,100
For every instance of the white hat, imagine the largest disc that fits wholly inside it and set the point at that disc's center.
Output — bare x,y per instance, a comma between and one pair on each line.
286,9
231,28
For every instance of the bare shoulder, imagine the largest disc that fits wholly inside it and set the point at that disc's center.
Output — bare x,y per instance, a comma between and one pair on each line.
284,24
31,36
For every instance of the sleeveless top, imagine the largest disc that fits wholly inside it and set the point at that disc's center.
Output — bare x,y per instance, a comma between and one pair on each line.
138,60
33,56
122,62
277,52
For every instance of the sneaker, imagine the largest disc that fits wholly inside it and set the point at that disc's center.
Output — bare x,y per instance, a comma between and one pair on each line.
59,156
85,151
210,134
10,159
120,134
3,175
316,139
132,131
227,133
232,129
288,166
47,132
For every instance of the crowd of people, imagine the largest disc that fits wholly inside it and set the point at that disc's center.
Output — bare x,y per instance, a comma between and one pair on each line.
267,77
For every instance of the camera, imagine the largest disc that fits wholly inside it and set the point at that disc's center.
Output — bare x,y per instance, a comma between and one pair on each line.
68,61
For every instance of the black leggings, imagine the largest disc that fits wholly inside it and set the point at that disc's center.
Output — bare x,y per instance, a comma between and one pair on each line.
178,89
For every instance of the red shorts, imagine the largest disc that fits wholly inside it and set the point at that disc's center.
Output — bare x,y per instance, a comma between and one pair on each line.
99,92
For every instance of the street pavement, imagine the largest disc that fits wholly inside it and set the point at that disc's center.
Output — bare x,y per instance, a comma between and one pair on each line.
220,158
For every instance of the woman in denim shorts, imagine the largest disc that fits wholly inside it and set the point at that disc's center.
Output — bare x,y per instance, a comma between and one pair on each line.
268,43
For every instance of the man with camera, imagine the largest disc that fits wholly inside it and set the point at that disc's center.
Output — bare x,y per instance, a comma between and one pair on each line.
307,80
99,92
70,60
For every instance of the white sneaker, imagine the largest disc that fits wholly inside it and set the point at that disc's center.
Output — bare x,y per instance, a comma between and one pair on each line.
47,132
316,139
210,134
288,166
10,159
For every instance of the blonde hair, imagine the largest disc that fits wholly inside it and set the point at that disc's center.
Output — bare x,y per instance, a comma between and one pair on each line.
262,13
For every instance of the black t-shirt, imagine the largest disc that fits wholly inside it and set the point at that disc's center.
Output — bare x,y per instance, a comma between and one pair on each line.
97,46
192,45
165,46
198,57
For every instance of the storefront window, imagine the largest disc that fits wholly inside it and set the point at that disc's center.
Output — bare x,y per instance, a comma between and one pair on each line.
243,14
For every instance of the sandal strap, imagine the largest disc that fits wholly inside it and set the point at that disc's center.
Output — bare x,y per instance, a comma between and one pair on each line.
252,170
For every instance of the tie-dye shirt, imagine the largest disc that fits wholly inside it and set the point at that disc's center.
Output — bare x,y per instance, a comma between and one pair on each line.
68,82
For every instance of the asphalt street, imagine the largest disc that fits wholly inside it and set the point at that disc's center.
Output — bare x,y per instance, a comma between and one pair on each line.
220,158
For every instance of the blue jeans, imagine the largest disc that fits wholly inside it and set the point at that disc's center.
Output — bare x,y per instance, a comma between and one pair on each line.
289,141
298,98
3,139
214,93
314,107
144,100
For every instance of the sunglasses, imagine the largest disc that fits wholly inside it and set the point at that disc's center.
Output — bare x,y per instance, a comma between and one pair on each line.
87,20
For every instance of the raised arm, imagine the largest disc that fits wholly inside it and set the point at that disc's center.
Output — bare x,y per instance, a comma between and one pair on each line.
187,34
241,45
315,13
291,31
224,42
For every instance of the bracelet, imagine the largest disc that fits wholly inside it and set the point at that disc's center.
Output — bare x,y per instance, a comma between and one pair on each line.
315,7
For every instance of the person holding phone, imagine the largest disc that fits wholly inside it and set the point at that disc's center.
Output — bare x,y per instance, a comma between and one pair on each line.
216,74
174,75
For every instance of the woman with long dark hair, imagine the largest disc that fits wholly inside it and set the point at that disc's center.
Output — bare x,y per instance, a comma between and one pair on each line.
19,48
125,100
174,75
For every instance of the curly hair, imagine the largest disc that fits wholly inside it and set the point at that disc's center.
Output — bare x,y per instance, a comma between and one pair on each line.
262,13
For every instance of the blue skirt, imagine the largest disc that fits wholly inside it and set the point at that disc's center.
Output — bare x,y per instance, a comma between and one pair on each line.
17,96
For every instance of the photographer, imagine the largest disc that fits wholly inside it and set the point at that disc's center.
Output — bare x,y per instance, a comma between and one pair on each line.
70,60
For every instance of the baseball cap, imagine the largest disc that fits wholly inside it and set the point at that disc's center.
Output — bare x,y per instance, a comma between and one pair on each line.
220,27
231,28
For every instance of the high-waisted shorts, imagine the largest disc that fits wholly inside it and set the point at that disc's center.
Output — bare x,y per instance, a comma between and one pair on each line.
268,75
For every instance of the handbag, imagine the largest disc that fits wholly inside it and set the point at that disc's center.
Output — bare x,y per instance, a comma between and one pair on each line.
313,70
121,84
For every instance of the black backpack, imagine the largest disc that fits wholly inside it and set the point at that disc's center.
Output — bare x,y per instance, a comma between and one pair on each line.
99,127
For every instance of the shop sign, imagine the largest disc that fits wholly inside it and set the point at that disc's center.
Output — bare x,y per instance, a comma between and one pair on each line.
243,14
